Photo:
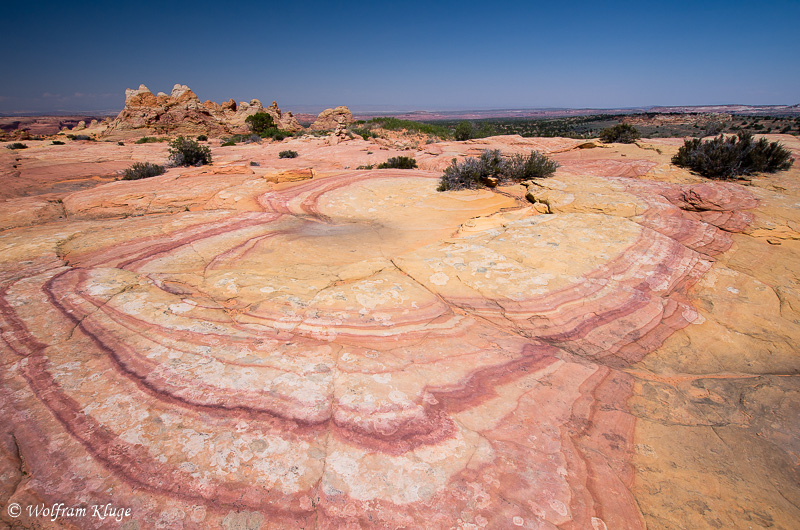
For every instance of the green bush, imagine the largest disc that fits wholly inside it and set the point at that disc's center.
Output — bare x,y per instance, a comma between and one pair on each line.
58,142
520,167
463,131
287,154
120,143
363,132
472,173
368,166
17,145
260,122
150,140
228,143
202,138
732,157
83,137
186,152
395,124
623,133
399,162
144,170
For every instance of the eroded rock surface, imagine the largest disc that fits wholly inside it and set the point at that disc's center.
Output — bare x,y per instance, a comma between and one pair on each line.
279,347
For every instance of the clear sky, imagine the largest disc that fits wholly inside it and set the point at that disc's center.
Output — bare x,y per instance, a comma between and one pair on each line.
424,55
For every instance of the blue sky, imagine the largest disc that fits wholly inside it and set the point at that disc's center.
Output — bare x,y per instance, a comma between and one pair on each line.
80,56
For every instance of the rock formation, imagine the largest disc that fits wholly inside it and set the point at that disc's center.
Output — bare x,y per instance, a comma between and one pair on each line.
331,118
181,112
613,347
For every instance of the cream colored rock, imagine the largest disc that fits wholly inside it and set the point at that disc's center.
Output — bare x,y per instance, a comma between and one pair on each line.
331,118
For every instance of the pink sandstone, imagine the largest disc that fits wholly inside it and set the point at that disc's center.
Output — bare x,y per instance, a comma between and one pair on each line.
279,347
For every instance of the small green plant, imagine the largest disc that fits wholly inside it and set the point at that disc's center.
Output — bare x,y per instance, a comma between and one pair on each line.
140,170
17,145
150,140
202,138
79,137
120,143
260,122
369,166
187,152
463,131
536,166
58,142
287,154
623,133
399,162
228,143
491,168
732,157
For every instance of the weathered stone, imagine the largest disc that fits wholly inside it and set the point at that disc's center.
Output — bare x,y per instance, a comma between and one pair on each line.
236,346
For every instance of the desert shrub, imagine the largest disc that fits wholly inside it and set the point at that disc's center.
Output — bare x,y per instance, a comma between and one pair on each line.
623,133
466,174
472,172
463,131
255,164
369,166
399,162
363,132
186,152
202,138
144,170
287,154
732,157
58,142
150,140
227,143
535,166
83,137
16,145
395,124
120,143
260,122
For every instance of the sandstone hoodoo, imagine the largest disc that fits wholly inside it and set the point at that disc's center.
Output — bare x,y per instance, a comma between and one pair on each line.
182,113
332,118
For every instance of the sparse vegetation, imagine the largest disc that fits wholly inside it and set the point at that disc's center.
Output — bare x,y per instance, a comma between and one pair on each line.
120,143
187,152
16,145
143,170
287,154
79,137
623,133
463,131
732,157
202,138
264,126
151,140
491,168
399,162
394,124
227,143
369,166
254,164
58,142
260,122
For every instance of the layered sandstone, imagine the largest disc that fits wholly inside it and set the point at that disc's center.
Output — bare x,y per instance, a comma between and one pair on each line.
332,118
276,346
182,112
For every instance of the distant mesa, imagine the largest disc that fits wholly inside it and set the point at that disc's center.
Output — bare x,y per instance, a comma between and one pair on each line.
182,112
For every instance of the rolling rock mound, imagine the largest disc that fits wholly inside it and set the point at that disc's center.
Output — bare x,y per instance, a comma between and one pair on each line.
182,112
355,350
